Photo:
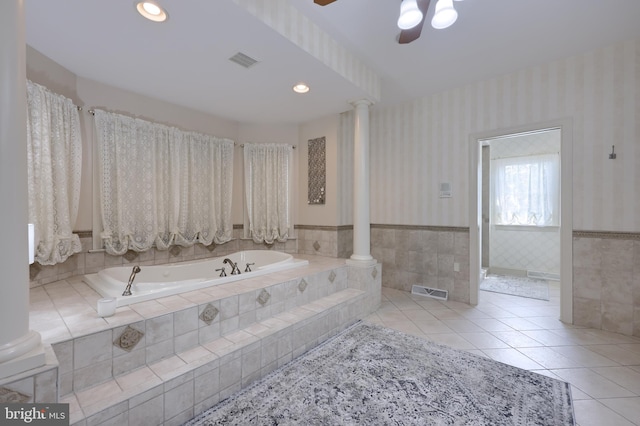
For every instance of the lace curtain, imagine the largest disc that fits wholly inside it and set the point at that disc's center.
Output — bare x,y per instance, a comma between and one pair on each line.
267,190
526,190
54,160
161,185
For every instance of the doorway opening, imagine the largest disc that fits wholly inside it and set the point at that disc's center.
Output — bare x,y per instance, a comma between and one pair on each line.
520,226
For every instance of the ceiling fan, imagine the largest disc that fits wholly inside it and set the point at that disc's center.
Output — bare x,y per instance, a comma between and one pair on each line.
445,15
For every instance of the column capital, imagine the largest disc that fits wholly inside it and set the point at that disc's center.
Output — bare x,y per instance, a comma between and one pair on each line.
361,102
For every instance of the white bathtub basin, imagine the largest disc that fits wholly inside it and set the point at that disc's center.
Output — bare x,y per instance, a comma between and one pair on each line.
157,281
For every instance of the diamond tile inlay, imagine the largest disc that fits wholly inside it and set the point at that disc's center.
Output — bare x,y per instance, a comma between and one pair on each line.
264,297
130,255
209,313
128,339
332,276
175,251
374,273
316,245
8,396
302,286
211,247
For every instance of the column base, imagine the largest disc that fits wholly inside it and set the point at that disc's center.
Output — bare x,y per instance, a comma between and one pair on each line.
361,261
24,354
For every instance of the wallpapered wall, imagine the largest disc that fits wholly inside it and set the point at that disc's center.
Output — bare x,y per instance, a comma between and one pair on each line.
417,145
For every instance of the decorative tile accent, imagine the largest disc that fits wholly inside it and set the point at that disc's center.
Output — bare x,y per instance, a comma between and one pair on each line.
374,273
130,255
175,250
209,313
302,286
211,247
128,339
316,245
8,396
332,276
264,297
317,171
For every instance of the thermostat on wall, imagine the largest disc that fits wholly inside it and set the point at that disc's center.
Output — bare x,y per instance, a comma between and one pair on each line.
445,190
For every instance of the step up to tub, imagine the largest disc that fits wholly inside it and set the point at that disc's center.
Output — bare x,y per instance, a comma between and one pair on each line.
174,389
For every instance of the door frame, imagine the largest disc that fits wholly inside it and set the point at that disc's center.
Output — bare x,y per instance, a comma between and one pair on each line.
566,207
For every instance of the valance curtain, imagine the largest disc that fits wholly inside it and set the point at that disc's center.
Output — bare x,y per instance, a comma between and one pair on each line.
54,161
267,190
161,185
526,190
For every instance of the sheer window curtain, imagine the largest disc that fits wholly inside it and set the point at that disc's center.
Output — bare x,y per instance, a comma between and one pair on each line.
526,190
161,186
54,161
267,180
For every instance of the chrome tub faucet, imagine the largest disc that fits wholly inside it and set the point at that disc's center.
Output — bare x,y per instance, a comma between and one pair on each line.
234,266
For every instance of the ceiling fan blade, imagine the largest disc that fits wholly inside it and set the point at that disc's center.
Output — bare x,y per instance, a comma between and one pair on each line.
323,2
407,36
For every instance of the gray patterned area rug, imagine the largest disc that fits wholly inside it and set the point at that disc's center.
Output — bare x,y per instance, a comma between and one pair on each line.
370,375
516,286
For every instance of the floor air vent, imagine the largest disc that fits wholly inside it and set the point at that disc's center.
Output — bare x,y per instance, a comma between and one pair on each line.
435,293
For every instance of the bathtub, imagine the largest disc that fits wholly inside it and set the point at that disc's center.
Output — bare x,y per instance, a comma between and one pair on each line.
157,281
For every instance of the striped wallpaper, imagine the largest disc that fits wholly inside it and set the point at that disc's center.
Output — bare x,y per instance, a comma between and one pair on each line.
417,145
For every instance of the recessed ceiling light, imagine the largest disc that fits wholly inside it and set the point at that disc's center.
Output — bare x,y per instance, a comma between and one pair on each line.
152,11
301,88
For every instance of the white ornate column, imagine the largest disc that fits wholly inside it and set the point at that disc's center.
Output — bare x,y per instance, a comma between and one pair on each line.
20,348
361,226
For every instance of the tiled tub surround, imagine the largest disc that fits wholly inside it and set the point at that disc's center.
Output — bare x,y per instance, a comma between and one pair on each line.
89,262
432,256
169,359
606,281
332,241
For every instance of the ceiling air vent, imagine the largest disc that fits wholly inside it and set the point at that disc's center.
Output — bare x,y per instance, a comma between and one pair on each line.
243,60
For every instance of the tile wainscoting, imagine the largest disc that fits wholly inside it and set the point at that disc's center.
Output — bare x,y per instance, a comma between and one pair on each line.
424,255
330,241
606,281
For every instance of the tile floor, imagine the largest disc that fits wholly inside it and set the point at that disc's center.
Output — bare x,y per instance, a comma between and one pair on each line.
602,367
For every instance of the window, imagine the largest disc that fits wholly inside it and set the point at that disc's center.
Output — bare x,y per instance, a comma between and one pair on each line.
526,190
267,180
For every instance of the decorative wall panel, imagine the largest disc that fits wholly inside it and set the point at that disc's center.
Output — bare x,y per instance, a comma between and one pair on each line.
317,171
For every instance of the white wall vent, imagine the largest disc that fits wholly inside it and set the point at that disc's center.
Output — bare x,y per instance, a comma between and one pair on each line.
435,293
243,60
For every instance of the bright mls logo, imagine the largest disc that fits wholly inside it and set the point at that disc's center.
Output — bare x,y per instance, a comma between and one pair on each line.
34,414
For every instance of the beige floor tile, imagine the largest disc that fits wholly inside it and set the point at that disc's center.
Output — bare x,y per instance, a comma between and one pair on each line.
450,339
623,376
516,339
592,383
513,357
593,413
584,357
491,324
484,340
462,326
432,327
549,358
627,407
616,353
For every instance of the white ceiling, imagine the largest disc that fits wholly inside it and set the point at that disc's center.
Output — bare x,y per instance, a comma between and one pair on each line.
185,60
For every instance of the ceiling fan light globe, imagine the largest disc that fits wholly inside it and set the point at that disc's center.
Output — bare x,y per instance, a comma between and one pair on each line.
445,15
410,14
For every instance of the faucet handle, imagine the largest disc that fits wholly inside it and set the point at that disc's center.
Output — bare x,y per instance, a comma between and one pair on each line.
223,273
248,268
